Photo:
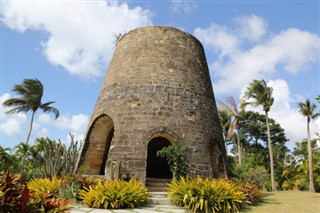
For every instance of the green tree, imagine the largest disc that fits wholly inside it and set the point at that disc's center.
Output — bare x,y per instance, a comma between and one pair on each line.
231,107
259,94
225,120
295,173
308,110
30,92
22,151
8,162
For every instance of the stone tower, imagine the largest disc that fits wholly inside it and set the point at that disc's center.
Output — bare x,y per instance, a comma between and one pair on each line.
157,90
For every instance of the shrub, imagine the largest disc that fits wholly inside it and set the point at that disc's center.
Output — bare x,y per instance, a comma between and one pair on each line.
86,181
42,187
52,204
251,192
115,194
205,195
15,195
176,158
45,193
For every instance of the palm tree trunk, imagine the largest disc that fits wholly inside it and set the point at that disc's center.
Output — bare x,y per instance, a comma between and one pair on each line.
30,127
311,185
273,185
239,149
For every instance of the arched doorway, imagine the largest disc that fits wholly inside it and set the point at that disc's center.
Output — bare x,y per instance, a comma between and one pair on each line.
97,144
157,167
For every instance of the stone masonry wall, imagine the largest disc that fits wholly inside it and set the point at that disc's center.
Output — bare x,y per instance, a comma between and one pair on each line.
158,82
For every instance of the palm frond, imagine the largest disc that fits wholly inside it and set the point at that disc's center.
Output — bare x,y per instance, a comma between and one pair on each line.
47,108
226,107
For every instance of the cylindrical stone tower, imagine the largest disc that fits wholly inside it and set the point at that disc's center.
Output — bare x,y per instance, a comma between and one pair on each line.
157,90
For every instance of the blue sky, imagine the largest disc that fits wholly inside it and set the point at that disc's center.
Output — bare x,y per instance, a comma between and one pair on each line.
68,46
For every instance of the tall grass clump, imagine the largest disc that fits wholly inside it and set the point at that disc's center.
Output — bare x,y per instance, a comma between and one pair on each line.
206,195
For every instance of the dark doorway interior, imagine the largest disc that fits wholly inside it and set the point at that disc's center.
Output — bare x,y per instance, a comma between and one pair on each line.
157,167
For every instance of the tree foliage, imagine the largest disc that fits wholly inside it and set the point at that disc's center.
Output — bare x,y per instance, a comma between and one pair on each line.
308,110
176,158
295,172
259,94
30,92
46,158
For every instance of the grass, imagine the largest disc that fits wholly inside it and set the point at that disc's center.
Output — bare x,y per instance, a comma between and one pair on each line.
286,202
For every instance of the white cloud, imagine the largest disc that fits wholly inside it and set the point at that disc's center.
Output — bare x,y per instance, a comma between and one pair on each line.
41,132
294,124
221,39
179,6
252,27
237,64
75,123
44,118
11,124
80,33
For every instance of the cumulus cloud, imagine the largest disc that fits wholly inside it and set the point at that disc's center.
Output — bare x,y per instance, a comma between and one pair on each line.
80,33
238,62
75,123
179,6
11,124
252,27
285,111
219,38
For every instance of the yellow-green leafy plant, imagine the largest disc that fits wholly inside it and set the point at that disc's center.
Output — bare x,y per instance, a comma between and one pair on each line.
206,195
115,194
41,187
45,192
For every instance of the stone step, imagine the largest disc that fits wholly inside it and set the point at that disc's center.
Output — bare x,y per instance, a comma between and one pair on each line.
148,184
158,201
158,198
157,184
158,194
157,189
158,180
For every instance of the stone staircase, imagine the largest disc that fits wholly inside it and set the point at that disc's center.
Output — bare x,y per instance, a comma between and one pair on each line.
157,191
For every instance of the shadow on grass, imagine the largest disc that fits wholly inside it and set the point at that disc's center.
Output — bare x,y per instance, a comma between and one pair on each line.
262,202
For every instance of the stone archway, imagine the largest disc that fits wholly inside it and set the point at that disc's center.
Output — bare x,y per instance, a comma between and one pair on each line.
157,167
98,142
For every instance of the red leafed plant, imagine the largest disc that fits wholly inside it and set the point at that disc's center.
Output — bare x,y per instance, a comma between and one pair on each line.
252,193
14,194
54,204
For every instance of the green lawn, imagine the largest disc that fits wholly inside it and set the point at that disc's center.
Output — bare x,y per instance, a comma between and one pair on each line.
286,202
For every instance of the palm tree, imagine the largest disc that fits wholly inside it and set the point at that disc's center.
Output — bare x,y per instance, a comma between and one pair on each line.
308,110
22,151
259,94
30,92
225,120
4,158
230,106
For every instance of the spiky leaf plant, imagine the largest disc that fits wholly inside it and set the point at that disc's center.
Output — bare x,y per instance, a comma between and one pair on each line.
205,195
115,194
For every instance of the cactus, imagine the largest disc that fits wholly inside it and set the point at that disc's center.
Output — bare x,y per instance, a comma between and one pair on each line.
117,174
113,169
58,159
